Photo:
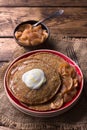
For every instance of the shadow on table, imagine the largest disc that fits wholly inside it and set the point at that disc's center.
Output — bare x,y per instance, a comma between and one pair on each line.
49,44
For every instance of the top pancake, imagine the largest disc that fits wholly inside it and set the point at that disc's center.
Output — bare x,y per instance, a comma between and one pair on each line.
27,95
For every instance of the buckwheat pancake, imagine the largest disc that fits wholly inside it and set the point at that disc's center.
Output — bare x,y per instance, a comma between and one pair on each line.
54,103
33,96
59,88
49,58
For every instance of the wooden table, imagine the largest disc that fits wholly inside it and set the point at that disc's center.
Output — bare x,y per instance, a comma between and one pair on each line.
70,28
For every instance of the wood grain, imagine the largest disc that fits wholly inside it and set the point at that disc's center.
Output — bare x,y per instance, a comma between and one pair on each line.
73,23
9,49
5,128
52,3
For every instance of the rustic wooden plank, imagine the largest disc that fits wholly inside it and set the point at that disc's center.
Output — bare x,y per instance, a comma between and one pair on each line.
5,128
73,23
9,49
61,3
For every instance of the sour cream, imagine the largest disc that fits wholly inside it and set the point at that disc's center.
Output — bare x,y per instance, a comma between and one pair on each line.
34,78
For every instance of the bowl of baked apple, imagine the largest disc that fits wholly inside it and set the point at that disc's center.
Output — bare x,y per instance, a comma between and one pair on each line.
26,34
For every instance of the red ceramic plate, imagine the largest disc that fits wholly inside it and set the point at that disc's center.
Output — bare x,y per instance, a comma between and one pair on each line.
50,113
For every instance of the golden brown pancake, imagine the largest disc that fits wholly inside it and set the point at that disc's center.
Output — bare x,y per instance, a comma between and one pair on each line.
33,96
55,103
60,86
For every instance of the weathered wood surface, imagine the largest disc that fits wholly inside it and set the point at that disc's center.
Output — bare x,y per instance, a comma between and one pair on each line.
5,128
43,3
9,49
73,23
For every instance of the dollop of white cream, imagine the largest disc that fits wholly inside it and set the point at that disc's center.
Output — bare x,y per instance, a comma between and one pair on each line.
34,78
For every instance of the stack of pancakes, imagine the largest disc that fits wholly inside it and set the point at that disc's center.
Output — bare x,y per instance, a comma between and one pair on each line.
60,87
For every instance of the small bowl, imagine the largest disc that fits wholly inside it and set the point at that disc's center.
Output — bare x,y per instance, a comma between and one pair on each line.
32,22
50,113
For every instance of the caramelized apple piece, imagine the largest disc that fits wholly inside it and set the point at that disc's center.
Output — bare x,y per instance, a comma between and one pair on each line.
35,35
18,34
68,96
67,84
